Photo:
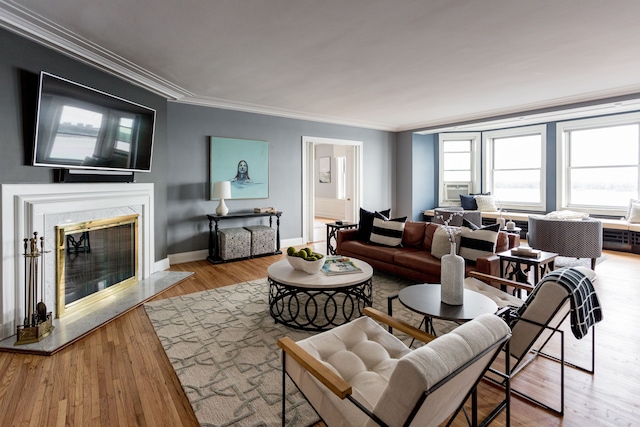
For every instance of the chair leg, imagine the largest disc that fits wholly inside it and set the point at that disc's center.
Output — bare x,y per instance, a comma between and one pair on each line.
284,391
593,264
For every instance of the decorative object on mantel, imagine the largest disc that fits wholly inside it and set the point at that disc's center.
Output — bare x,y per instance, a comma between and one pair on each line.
452,268
222,190
37,322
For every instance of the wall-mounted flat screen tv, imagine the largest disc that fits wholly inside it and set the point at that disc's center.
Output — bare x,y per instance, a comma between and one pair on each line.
82,128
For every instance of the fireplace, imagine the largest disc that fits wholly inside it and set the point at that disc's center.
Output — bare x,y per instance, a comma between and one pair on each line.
94,259
28,208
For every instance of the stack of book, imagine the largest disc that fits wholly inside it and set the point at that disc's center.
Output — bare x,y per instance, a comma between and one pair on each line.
334,265
526,252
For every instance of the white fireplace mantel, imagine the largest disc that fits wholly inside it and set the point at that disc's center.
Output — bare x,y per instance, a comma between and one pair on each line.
40,207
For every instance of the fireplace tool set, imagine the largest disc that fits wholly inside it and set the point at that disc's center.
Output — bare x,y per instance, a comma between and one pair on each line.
37,321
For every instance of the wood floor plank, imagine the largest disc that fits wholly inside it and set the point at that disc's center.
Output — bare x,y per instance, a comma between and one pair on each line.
119,375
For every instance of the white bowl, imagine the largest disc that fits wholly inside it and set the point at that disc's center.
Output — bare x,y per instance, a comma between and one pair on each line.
309,267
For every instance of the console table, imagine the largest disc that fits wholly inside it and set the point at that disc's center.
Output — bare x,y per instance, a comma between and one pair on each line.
214,250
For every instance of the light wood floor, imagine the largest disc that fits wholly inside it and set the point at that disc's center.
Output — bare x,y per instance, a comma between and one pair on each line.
120,376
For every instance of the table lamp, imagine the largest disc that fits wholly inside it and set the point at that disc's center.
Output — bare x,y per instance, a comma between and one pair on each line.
222,190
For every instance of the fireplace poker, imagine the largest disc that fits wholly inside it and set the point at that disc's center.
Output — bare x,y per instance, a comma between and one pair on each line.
41,308
26,286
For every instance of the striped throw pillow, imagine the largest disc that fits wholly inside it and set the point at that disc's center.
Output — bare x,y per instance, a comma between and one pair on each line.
387,232
478,243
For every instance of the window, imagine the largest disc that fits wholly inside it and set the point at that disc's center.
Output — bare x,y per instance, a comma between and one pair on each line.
459,165
599,159
514,161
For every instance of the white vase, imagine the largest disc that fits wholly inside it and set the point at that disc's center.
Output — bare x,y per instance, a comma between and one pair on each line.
452,278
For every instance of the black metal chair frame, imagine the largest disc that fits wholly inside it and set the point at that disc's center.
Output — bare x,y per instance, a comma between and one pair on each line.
531,355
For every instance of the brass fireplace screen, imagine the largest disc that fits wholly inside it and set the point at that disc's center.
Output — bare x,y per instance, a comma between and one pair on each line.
94,260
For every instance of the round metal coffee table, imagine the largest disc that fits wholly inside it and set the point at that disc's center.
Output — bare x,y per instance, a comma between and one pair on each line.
317,302
425,299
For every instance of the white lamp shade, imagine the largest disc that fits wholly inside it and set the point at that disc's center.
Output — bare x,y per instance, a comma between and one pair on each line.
222,190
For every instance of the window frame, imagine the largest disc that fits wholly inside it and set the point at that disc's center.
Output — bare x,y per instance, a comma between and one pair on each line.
488,150
562,160
475,138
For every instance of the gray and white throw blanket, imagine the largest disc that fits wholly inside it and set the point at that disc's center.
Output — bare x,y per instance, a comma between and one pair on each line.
585,307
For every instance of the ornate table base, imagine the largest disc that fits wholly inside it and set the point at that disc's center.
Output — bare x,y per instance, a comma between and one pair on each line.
318,309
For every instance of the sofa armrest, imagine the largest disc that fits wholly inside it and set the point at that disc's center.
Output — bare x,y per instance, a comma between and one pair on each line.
345,235
489,264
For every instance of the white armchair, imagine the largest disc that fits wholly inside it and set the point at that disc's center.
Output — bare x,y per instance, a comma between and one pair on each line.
359,374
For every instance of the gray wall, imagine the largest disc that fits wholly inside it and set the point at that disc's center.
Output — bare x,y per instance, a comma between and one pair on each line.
189,128
20,64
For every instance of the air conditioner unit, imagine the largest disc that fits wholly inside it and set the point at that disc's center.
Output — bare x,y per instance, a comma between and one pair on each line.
453,190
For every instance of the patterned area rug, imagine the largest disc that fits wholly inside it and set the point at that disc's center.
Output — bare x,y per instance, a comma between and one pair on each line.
222,344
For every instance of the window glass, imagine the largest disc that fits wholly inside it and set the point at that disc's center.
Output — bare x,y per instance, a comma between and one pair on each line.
600,160
621,144
518,186
520,152
514,163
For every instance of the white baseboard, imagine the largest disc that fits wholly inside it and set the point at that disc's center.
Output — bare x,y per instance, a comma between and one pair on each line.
161,265
204,253
188,256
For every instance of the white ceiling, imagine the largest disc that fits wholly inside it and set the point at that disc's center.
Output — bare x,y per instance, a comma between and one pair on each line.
382,64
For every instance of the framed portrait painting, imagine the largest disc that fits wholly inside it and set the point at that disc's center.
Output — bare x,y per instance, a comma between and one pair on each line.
243,162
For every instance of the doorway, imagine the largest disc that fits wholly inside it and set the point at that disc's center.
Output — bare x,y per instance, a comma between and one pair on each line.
332,183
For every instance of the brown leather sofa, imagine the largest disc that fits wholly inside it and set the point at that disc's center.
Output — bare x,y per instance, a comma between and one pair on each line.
413,260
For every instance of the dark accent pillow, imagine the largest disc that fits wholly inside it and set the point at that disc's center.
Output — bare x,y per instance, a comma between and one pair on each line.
468,203
366,223
469,224
387,232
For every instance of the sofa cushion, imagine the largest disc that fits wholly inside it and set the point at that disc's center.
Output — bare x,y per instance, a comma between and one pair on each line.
413,234
358,248
421,261
366,223
387,232
441,244
478,243
430,229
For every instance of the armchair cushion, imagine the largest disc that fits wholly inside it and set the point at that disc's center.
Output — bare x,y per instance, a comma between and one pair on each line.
388,378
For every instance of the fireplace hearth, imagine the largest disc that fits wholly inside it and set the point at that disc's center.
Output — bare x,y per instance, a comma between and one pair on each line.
43,207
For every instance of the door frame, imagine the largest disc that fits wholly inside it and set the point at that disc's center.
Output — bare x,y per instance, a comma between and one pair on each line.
308,175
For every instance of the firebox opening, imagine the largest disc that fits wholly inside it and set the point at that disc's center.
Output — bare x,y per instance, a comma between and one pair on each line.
94,260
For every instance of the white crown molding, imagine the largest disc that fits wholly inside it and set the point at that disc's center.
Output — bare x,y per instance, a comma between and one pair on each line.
281,112
22,21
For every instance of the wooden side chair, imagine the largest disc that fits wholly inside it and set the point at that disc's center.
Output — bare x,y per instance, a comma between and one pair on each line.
359,374
535,320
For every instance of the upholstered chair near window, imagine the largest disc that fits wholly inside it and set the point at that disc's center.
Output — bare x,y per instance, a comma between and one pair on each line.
575,238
